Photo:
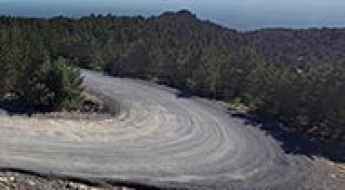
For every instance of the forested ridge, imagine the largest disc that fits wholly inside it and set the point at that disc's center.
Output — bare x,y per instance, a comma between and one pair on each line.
294,76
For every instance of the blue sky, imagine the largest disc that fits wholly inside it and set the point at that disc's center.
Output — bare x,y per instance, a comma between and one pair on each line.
240,14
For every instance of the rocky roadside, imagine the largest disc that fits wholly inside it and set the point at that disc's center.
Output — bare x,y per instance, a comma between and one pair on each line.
17,181
338,171
335,178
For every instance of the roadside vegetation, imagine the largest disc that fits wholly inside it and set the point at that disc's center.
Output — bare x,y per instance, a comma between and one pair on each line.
294,76
31,80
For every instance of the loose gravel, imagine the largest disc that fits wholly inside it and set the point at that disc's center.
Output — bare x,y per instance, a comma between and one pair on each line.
157,139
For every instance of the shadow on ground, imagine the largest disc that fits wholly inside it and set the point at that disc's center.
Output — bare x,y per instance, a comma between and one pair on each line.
293,143
184,94
101,105
14,107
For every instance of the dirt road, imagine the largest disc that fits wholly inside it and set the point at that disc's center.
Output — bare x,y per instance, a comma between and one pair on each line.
157,139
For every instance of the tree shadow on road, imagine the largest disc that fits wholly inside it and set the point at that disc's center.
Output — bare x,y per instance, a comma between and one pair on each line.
16,107
184,94
294,143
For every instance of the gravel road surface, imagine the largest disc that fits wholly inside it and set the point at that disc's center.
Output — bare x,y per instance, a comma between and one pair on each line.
157,139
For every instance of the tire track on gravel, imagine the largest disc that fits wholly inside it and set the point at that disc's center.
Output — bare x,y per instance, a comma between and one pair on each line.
158,139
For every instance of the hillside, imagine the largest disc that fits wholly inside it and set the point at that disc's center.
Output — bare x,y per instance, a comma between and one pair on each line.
301,46
293,76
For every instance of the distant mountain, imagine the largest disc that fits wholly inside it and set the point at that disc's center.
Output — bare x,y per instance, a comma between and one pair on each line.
280,46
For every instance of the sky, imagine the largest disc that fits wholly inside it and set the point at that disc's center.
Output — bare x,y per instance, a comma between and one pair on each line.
237,14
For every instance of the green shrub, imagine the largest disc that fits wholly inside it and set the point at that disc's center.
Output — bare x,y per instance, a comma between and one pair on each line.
65,82
49,86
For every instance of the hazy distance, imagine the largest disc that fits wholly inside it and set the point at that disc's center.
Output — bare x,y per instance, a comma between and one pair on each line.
238,14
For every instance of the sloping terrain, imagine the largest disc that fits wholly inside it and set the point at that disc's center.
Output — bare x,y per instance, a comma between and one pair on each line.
157,139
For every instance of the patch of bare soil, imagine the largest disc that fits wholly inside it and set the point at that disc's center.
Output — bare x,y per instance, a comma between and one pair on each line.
338,172
17,181
334,178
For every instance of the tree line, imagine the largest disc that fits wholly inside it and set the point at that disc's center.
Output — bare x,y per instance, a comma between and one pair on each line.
31,80
294,76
